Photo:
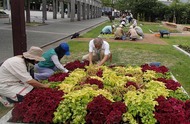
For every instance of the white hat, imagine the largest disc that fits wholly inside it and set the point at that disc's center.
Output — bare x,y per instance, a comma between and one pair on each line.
34,53
123,22
113,26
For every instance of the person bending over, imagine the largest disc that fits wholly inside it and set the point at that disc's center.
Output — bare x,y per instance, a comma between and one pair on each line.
16,80
108,29
119,33
45,69
132,33
99,52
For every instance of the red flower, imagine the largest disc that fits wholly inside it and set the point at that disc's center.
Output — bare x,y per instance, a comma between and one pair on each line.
160,69
58,77
129,83
94,81
76,64
38,106
170,84
101,111
170,111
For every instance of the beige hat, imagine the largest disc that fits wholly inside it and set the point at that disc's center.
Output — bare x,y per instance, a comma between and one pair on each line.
121,26
34,53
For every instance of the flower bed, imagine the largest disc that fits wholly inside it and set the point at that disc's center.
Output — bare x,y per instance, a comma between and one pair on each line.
107,95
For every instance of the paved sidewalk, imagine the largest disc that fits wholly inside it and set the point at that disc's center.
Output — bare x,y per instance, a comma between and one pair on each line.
55,29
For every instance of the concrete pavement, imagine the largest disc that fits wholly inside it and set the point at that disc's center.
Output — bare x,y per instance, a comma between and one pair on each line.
53,30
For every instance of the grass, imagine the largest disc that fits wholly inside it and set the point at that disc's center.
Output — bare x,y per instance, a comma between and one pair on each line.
155,27
3,110
146,26
96,31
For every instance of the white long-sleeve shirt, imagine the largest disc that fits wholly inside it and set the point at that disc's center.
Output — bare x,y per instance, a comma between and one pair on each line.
58,64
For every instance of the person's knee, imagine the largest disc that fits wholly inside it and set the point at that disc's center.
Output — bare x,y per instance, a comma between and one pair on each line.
85,57
43,76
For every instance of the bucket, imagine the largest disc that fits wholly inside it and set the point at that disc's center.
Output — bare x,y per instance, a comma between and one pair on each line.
157,64
157,35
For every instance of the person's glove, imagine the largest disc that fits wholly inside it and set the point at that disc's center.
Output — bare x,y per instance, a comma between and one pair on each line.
66,71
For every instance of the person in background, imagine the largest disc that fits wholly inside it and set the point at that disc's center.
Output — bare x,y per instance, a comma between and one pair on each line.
134,22
139,31
109,29
132,33
130,17
119,33
45,69
99,52
15,78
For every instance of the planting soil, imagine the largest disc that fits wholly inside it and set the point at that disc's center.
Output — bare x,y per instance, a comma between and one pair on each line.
149,38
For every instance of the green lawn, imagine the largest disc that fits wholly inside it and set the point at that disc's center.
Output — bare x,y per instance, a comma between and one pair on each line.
155,27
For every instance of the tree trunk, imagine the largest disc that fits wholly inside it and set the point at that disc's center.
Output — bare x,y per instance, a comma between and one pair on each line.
28,11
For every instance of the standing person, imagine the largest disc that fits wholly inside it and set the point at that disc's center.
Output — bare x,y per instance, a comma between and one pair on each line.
130,17
66,10
52,63
132,33
109,29
15,79
119,33
99,51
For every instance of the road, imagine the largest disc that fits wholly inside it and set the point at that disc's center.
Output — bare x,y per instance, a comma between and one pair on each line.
53,30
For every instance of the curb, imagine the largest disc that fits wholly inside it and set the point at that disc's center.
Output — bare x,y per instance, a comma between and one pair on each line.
183,51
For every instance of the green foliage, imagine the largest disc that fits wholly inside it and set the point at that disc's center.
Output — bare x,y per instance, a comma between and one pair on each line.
179,94
107,3
154,10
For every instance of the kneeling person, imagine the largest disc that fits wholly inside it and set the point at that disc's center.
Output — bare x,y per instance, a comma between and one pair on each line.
99,51
119,33
139,31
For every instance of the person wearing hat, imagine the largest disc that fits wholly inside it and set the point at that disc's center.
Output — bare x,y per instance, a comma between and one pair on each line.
45,69
119,33
99,52
108,29
15,79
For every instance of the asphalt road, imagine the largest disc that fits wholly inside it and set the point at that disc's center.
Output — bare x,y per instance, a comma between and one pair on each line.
53,30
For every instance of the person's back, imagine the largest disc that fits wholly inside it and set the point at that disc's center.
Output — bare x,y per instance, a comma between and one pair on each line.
47,55
133,34
119,32
139,31
107,29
